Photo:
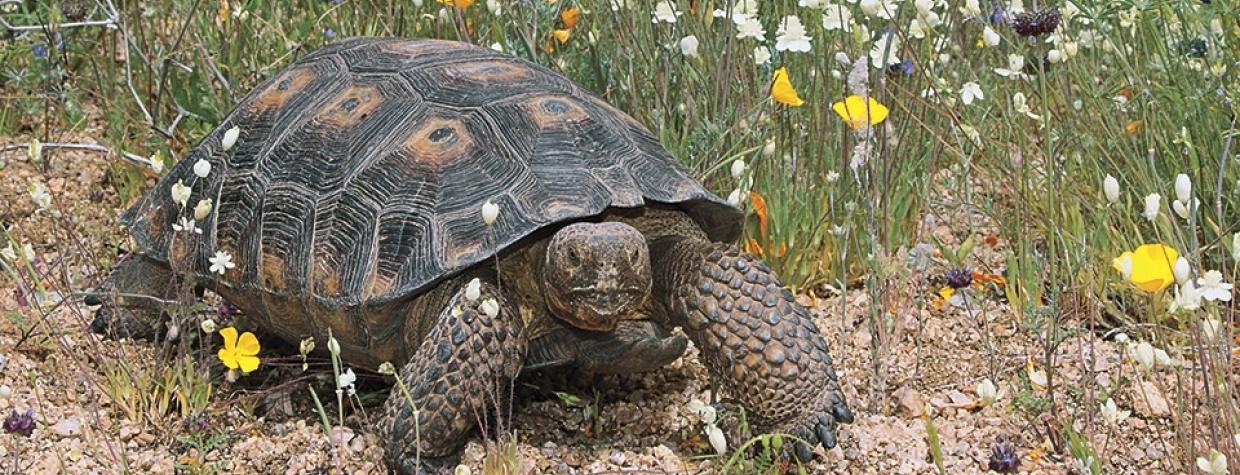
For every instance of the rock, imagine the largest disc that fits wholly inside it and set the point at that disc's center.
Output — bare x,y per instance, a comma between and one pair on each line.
909,403
959,399
1149,401
67,427
617,458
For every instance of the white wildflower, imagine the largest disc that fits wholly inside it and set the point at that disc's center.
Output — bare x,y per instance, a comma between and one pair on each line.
750,28
1143,354
990,38
886,51
665,11
1187,297
207,326
884,9
1213,288
494,7
221,262
180,193
1016,63
1214,464
987,392
1021,105
157,163
187,225
971,9
1152,202
837,17
1112,414
792,36
689,46
333,345
761,55
39,194
346,381
970,92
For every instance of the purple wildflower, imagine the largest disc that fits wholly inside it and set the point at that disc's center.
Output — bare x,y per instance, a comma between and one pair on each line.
20,423
959,278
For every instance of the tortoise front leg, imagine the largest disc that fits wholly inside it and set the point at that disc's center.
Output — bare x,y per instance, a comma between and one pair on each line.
753,337
454,380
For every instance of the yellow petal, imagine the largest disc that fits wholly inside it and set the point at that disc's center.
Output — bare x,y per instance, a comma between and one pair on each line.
570,17
247,363
230,337
229,358
1152,267
782,90
561,35
860,113
247,345
946,293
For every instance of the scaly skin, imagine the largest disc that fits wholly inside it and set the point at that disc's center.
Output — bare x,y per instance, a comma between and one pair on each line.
460,371
753,337
145,281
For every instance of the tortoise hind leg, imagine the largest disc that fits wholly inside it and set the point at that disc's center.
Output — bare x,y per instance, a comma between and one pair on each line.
460,371
131,298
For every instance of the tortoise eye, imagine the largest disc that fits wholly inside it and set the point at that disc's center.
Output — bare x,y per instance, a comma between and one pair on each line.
573,258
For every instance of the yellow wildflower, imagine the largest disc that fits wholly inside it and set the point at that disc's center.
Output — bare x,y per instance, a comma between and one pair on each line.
859,113
561,35
570,16
782,90
239,352
459,4
1149,266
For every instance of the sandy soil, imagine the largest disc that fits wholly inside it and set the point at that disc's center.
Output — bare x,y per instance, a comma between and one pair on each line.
53,364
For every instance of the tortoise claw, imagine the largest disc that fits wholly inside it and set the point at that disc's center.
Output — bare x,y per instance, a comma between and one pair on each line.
803,451
826,431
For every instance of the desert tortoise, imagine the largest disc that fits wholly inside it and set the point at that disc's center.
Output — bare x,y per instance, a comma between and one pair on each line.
352,201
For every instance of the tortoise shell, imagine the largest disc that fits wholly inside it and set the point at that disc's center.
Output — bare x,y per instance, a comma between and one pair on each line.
360,171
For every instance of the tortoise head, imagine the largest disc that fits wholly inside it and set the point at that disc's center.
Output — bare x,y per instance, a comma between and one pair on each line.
596,274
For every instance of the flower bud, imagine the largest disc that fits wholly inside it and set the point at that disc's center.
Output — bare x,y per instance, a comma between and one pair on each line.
202,168
1183,188
738,168
1110,188
1181,270
473,290
490,211
230,138
202,209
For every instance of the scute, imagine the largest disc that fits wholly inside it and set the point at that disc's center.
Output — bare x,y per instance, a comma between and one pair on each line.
362,168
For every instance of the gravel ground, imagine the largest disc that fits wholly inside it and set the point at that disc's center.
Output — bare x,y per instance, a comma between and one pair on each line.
53,365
